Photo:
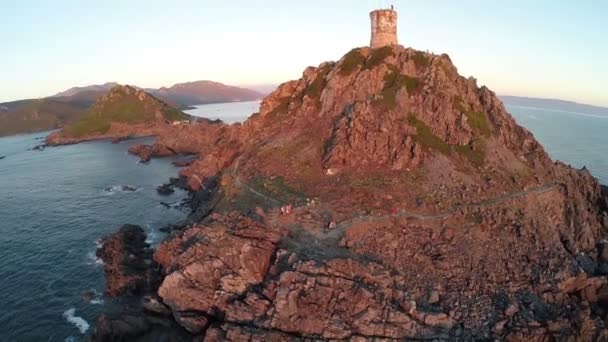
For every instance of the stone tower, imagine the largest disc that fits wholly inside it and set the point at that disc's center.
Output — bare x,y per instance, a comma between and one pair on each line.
384,28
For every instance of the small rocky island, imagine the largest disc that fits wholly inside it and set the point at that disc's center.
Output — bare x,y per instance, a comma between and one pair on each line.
382,196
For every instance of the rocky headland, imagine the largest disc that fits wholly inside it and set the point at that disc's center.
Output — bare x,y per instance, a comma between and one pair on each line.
379,197
124,112
68,107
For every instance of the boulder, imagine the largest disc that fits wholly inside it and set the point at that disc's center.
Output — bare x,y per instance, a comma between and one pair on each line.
165,190
127,262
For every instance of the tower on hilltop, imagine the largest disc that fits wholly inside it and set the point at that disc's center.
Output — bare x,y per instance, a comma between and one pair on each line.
384,28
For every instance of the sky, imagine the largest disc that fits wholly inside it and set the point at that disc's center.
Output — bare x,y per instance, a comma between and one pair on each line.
540,48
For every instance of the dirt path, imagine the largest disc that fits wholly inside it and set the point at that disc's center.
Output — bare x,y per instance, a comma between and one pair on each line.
454,210
405,213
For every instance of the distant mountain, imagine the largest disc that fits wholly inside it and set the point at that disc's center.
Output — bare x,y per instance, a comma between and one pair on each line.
202,92
87,89
35,115
29,116
552,104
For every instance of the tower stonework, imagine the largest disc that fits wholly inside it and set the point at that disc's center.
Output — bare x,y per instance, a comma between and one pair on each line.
384,28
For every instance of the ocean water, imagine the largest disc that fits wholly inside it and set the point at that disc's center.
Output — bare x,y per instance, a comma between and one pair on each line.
577,139
227,112
54,209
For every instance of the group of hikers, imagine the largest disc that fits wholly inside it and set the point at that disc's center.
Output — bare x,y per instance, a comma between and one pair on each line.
288,210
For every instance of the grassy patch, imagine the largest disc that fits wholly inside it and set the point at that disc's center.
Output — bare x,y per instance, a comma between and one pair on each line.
122,108
393,82
91,124
478,123
351,62
173,114
474,152
378,56
277,187
426,137
315,89
421,60
476,120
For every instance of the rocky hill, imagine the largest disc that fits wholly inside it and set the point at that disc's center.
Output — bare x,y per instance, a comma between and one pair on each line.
382,196
123,112
29,116
96,88
35,115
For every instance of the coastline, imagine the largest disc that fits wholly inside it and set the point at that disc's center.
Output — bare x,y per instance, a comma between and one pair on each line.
144,316
349,224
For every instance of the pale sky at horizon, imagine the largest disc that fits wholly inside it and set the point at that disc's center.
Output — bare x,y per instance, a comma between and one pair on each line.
542,48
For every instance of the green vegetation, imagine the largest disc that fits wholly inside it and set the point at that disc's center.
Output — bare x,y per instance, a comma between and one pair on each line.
28,116
125,108
478,123
315,89
476,120
393,82
277,187
355,60
351,61
426,137
378,56
474,152
90,124
173,114
421,59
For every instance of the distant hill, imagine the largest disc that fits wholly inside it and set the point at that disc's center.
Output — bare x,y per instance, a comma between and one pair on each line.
122,105
92,88
35,115
202,92
29,116
552,104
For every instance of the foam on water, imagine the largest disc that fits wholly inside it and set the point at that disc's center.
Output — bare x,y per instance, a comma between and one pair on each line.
93,259
151,234
79,322
114,189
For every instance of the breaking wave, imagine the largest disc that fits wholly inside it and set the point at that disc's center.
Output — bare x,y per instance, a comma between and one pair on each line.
79,322
93,259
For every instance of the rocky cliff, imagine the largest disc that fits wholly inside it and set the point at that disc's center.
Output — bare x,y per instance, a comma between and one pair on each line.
384,196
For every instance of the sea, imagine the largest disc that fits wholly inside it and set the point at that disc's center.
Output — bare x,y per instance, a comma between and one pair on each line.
58,203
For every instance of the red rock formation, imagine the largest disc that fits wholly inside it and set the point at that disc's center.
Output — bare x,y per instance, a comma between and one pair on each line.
126,257
421,210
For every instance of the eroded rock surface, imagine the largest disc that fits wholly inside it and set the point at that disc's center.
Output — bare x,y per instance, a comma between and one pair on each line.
127,262
383,196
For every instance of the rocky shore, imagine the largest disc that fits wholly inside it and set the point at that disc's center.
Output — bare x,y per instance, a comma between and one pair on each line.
380,197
